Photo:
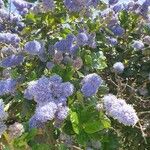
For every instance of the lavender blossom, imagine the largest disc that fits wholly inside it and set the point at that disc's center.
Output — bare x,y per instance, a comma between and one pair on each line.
9,17
62,112
15,130
117,30
22,6
112,41
48,5
46,112
82,39
1,3
34,123
12,60
3,116
50,65
48,89
3,128
65,45
118,67
7,86
9,38
77,63
138,45
120,110
90,84
33,47
147,39
117,8
112,2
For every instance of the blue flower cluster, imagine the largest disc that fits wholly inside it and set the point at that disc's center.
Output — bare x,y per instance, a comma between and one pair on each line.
1,3
84,38
48,5
112,2
12,60
117,8
118,67
117,30
3,116
112,41
78,5
9,38
34,47
138,45
51,97
144,8
71,43
146,39
65,45
91,84
9,17
120,110
22,6
7,86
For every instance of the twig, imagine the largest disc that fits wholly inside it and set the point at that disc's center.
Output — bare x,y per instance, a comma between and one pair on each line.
143,134
144,112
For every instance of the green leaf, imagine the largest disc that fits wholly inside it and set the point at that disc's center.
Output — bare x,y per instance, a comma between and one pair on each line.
75,121
106,123
93,126
88,59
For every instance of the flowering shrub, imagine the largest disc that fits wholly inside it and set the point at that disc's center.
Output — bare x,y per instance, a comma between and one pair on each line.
74,74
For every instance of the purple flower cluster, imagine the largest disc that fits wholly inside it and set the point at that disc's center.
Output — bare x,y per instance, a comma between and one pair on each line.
118,67
9,17
50,65
15,130
112,41
78,5
138,45
48,5
65,45
112,2
51,96
71,43
3,116
117,8
146,39
1,3
91,84
12,60
9,38
120,110
7,86
84,38
34,47
117,30
22,6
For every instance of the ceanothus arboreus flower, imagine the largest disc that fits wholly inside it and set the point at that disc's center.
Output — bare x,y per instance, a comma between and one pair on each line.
120,110
91,84
3,116
118,67
51,96
7,86
138,45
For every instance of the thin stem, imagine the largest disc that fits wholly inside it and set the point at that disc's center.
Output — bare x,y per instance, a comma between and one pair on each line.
143,134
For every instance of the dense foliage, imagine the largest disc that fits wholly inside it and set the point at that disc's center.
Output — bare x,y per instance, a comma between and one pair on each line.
74,74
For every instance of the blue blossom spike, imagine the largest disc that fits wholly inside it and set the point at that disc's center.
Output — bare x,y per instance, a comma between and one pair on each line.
138,45
12,61
120,110
91,84
118,67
